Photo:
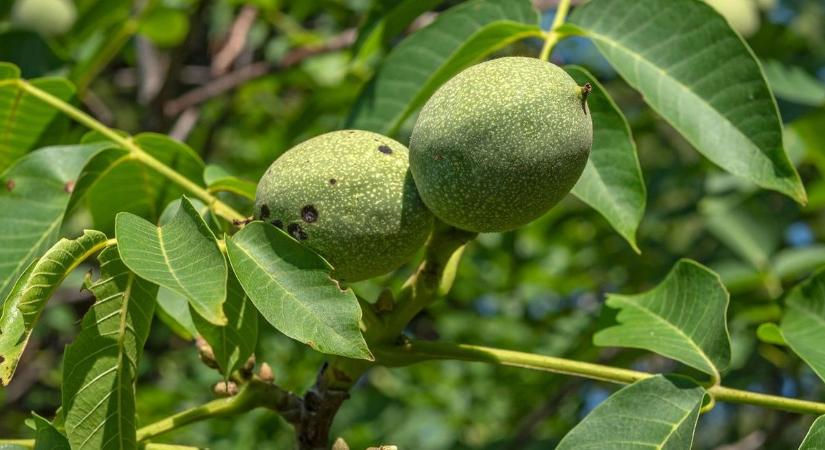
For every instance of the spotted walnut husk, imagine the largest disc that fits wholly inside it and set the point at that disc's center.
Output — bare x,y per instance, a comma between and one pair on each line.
349,196
501,143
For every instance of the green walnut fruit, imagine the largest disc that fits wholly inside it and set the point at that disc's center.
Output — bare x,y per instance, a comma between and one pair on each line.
501,143
349,196
47,17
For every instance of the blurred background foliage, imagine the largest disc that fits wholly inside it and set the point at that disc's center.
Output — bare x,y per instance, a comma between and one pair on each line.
243,81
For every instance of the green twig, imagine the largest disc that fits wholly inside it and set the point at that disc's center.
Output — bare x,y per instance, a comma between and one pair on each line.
137,153
553,36
413,352
252,395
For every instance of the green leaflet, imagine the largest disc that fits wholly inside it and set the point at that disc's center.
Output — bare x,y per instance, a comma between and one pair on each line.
291,287
182,255
41,184
100,366
612,180
683,318
803,325
33,289
700,76
658,412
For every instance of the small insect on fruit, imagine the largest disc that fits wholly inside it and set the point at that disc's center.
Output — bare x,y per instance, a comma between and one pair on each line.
349,196
501,143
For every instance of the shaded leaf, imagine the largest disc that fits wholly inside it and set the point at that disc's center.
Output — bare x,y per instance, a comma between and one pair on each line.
383,24
24,118
33,289
657,412
291,288
612,179
173,310
803,325
815,439
100,366
738,228
124,184
46,436
182,255
794,84
234,342
219,180
700,76
431,56
683,318
39,184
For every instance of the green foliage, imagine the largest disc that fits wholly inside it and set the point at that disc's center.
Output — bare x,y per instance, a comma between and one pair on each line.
182,255
26,300
816,435
424,61
658,412
101,366
47,437
697,82
612,180
291,287
802,325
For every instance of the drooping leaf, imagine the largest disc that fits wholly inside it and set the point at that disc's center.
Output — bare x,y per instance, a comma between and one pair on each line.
815,439
291,288
182,255
24,118
700,76
100,366
794,84
683,318
173,310
39,184
234,342
219,180
612,179
428,58
124,184
655,413
46,436
33,289
803,325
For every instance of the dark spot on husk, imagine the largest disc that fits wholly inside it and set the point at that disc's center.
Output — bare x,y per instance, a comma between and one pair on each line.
438,157
333,181
278,223
309,214
2,359
385,149
10,184
295,230
264,212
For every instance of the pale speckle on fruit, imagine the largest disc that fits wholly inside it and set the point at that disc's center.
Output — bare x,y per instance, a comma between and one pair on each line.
500,143
353,203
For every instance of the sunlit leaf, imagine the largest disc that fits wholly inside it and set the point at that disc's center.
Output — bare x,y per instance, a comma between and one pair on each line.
182,255
656,413
695,71
612,179
100,366
33,289
291,288
431,56
683,318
